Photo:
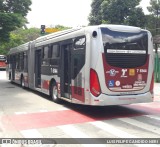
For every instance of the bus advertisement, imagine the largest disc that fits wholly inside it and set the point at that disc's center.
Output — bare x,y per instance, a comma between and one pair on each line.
95,65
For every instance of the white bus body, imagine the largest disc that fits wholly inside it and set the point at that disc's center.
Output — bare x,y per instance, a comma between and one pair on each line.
95,65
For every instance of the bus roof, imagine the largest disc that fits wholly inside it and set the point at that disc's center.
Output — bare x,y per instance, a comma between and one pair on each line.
56,34
39,40
22,47
122,28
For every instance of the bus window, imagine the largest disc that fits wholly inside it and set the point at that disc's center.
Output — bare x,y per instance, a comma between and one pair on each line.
55,51
17,61
25,62
45,52
79,43
45,60
125,49
21,61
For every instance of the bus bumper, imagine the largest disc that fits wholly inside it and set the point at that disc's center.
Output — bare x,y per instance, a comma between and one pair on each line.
104,100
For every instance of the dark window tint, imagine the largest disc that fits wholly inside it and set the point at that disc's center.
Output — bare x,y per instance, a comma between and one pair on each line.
125,49
78,55
45,52
79,43
55,51
2,58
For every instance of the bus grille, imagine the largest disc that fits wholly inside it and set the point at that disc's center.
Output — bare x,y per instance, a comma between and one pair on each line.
126,60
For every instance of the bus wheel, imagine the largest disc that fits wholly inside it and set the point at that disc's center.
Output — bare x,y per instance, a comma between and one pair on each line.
54,93
9,76
22,82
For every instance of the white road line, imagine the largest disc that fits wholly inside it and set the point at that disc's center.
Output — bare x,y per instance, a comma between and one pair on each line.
44,110
111,129
117,132
76,133
32,133
153,117
19,113
142,125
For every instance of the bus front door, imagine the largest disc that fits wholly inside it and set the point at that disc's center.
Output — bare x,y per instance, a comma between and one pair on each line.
38,68
65,81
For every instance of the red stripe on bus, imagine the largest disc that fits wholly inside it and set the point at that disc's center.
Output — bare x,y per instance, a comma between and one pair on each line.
78,93
45,84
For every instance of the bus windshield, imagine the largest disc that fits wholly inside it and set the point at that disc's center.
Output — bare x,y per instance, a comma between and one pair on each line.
2,58
124,40
125,45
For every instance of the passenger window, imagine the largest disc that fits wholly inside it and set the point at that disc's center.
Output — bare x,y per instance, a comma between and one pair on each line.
55,51
45,52
79,43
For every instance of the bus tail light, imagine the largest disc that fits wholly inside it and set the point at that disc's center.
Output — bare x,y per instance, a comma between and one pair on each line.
94,83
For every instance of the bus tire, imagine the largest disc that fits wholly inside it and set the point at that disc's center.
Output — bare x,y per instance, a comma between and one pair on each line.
54,93
22,82
10,76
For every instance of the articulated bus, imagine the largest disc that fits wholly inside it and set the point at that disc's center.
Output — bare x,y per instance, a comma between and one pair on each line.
3,62
95,65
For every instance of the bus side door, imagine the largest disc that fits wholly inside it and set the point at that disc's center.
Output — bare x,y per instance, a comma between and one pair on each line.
38,61
77,68
65,78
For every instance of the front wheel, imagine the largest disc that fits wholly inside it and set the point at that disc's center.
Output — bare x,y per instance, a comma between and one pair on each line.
54,93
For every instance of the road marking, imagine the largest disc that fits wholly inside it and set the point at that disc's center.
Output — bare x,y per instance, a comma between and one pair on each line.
111,129
32,133
64,117
18,113
153,117
117,132
141,125
43,110
76,133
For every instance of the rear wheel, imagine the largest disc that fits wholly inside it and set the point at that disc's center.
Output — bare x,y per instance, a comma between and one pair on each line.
54,93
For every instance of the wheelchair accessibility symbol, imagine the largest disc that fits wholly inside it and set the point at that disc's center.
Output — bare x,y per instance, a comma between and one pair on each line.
111,83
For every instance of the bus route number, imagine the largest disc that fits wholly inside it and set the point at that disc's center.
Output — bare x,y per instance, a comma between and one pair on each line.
54,70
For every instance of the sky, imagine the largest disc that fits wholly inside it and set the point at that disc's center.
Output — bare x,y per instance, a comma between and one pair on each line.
71,13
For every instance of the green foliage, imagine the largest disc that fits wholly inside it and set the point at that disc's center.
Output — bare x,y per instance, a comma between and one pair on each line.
17,6
136,18
9,22
153,20
117,12
27,34
155,7
95,17
12,16
19,37
61,27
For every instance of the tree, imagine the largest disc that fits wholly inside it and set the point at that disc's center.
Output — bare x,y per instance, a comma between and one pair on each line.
12,16
154,25
95,17
19,37
61,27
154,9
136,17
117,12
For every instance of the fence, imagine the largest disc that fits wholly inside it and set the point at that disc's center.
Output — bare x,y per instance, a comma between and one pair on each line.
157,68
